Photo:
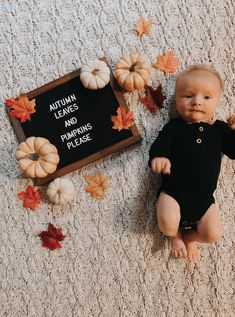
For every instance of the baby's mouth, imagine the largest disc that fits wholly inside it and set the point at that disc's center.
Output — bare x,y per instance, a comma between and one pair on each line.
196,110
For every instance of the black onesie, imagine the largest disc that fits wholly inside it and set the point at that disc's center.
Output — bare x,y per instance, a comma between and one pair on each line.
194,151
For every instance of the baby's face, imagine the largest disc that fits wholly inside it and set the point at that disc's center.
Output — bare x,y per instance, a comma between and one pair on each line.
197,95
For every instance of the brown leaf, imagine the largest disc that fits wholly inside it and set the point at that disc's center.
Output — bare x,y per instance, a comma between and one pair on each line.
22,107
143,26
154,98
31,197
123,120
97,184
51,237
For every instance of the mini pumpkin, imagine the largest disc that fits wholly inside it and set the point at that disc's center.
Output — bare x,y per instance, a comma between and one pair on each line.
95,74
61,191
37,157
133,71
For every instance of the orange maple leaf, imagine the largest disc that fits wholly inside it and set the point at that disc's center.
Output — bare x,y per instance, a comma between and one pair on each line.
123,120
22,107
143,26
168,63
97,184
31,197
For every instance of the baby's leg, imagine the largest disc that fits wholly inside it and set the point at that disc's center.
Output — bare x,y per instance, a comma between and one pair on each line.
168,216
209,230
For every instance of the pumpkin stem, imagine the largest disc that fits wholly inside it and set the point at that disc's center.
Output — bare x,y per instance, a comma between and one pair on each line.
33,156
132,68
95,71
59,193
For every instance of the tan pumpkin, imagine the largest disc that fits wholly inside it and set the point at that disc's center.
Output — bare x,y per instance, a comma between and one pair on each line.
37,157
133,71
61,191
95,74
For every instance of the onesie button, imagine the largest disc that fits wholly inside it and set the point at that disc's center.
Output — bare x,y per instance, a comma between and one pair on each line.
199,141
201,129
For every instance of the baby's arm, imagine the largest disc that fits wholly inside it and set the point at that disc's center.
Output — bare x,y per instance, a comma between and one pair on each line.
160,151
161,165
231,121
228,141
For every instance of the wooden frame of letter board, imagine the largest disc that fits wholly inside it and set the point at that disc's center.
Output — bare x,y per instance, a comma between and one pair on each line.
136,137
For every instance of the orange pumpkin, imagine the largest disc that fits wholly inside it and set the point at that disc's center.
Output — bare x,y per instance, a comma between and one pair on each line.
133,71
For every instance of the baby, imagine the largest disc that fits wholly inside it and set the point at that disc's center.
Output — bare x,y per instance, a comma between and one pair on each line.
188,154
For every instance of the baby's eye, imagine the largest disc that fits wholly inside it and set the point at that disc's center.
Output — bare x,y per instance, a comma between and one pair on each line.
207,97
188,96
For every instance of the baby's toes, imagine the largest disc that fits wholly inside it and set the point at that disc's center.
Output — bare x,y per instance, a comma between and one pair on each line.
184,252
193,255
177,253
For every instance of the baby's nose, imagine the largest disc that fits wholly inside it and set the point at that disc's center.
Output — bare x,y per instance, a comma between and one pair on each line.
197,100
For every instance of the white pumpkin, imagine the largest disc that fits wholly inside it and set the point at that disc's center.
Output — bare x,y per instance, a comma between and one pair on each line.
95,74
37,157
61,191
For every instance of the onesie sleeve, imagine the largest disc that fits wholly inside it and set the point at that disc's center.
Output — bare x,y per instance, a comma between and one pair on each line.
161,146
228,142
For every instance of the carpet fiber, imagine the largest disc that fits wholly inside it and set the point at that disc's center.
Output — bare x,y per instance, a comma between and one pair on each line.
113,261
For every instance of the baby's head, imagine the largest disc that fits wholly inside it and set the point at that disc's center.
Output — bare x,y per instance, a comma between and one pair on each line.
197,93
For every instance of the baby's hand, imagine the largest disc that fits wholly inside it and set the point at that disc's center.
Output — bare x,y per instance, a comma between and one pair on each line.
231,121
161,165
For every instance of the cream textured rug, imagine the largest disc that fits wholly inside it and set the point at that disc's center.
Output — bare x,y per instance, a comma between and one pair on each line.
113,261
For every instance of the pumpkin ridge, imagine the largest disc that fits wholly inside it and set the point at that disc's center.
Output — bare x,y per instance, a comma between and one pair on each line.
47,148
48,167
134,57
101,79
24,147
138,81
30,169
123,64
38,143
50,158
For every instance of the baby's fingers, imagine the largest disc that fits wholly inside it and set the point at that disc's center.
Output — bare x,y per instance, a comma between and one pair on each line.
231,121
167,167
158,167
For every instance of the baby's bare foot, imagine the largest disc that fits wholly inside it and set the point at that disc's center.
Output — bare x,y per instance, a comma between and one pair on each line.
192,249
178,248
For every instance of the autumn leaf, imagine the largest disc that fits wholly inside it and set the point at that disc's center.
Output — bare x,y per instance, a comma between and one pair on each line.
21,107
123,120
143,26
51,237
154,98
168,63
97,184
31,197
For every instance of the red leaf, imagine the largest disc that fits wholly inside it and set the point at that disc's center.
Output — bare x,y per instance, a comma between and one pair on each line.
153,100
51,237
22,107
31,197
